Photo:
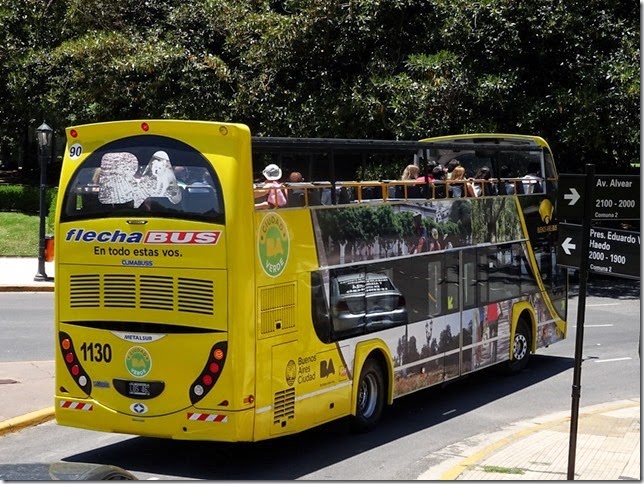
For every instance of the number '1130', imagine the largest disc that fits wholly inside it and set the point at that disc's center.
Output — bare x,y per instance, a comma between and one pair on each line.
96,352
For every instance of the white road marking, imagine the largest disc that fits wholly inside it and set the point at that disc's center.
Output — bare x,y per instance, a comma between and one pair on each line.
451,411
614,359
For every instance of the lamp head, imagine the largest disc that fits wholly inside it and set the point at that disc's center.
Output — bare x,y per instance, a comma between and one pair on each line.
44,134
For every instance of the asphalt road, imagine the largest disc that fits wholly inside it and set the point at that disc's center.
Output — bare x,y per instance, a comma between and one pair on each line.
408,440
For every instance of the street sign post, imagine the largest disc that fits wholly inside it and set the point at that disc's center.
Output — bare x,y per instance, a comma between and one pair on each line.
614,197
591,197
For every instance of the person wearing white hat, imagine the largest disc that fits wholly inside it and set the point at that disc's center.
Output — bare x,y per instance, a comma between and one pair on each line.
272,172
271,195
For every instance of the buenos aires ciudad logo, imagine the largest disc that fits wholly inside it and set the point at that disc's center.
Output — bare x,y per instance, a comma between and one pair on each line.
273,244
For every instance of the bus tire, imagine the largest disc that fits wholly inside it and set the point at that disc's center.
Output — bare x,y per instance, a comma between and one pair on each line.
370,398
520,348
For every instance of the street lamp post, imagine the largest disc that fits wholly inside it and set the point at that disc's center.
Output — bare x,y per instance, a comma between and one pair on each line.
43,135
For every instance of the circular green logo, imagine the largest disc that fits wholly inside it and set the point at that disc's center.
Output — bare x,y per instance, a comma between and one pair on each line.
273,244
138,361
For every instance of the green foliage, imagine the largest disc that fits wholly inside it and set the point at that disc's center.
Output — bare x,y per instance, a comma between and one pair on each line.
19,198
26,199
391,69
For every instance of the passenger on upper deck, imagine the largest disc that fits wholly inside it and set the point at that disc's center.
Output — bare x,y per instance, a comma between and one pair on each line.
439,176
296,196
484,188
459,186
449,168
505,187
410,172
533,178
431,164
270,195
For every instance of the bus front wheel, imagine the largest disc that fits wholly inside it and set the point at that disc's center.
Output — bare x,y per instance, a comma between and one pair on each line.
370,400
520,348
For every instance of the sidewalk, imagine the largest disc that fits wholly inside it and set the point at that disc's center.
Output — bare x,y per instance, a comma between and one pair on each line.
608,448
608,437
17,275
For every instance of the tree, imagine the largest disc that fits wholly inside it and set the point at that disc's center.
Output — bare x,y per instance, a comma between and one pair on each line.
392,69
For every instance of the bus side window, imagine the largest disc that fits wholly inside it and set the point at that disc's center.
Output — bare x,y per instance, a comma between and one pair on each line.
451,279
470,282
483,272
504,272
528,282
319,309
434,289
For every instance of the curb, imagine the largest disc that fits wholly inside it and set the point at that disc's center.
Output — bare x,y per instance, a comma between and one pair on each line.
454,472
28,420
26,288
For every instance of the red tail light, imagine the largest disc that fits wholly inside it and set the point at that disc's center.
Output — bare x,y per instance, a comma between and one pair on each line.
210,373
74,366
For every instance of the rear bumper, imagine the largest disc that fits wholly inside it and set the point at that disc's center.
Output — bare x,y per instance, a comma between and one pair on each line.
187,424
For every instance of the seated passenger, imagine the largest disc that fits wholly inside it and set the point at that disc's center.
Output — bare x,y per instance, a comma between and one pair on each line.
484,188
410,173
450,167
533,178
270,194
296,196
438,174
429,169
459,186
505,187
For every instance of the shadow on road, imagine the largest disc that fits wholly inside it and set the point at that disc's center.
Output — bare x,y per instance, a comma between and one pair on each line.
291,457
609,287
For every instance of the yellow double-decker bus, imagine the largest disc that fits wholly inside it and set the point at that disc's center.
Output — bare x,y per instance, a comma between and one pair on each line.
190,304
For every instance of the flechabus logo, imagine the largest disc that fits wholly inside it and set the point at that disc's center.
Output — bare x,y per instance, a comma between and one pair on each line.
273,244
179,237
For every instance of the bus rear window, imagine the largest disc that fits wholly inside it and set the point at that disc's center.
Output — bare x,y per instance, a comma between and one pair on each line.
150,176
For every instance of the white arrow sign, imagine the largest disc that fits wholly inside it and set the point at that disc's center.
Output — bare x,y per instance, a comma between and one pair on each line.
573,196
567,246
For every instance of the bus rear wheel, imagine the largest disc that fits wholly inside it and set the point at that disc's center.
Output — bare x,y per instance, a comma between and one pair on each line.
520,348
370,399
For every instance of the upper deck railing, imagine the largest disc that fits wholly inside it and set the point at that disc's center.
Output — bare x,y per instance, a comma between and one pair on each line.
306,194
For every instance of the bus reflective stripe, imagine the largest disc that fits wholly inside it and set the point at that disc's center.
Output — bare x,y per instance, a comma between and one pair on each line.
207,417
76,405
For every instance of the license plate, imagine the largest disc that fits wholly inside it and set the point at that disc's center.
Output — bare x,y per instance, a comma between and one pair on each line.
139,388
